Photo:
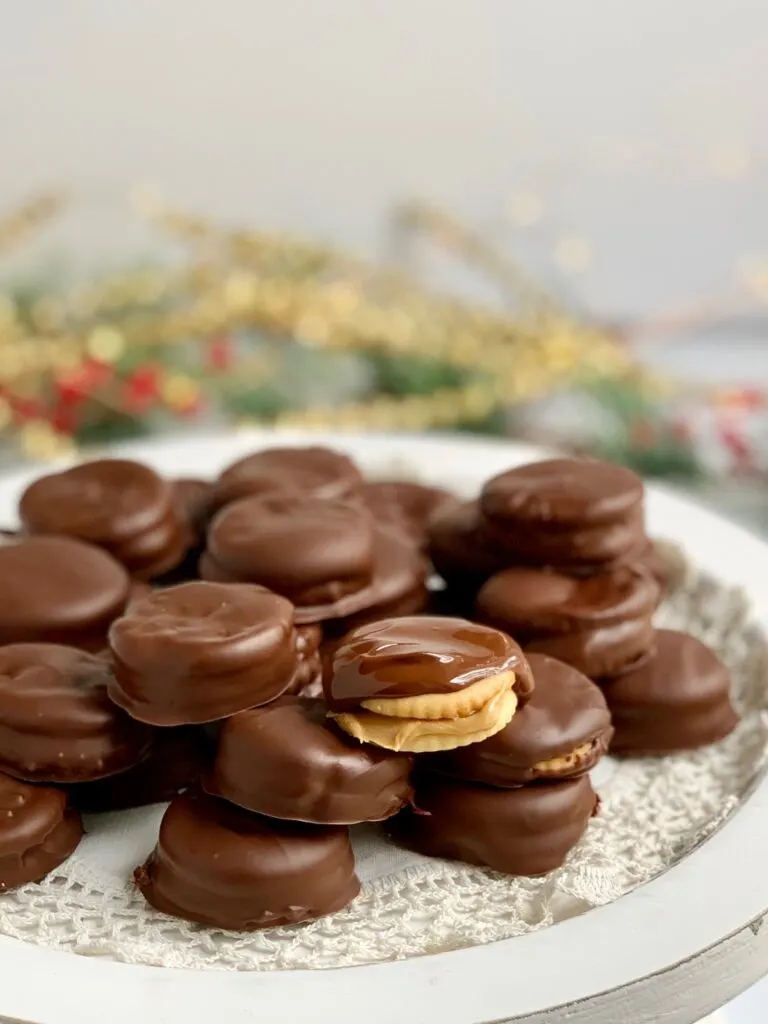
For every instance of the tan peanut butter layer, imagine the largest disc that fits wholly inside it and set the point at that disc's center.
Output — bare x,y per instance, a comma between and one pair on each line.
459,704
422,736
565,762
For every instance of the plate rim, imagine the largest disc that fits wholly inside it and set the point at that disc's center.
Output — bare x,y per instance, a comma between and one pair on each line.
676,918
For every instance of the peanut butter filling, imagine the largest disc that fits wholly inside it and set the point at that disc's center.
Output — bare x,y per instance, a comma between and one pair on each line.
458,704
436,721
566,762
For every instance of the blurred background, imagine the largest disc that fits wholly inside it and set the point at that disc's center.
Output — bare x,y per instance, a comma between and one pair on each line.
537,218
546,220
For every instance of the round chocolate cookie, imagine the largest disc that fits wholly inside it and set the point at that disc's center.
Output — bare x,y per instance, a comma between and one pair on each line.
679,700
561,733
57,723
176,759
535,602
524,831
406,506
421,655
575,514
458,547
578,550
198,652
397,584
607,651
314,551
119,505
157,551
104,502
38,831
571,493
301,472
223,867
423,683
602,625
286,760
59,590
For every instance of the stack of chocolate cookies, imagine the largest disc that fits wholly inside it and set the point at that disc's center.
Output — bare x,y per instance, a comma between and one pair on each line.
269,828
563,563
580,517
502,745
255,651
59,731
121,506
223,654
327,556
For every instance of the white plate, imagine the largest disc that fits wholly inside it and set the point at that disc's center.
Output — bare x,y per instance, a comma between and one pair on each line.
674,949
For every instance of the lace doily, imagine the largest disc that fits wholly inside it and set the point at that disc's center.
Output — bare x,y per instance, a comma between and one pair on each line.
653,813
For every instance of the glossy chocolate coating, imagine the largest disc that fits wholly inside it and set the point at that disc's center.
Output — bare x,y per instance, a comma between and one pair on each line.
399,580
420,654
602,651
563,492
535,603
57,723
286,760
223,867
412,602
310,472
679,700
120,505
524,831
156,551
601,625
312,550
398,588
198,652
458,547
59,590
566,711
191,499
175,761
103,502
38,831
569,547
406,506
633,555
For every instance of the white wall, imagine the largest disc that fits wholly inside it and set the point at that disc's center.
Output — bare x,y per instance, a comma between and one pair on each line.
318,114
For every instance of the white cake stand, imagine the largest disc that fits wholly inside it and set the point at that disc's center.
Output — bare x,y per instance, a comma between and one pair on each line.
673,950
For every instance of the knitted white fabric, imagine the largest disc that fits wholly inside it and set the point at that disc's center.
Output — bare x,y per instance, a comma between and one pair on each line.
653,813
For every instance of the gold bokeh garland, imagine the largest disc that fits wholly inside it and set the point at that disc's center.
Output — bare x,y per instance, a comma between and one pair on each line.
324,299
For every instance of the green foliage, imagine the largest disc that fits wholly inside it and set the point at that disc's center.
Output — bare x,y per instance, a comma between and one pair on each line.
406,375
667,458
262,403
113,426
493,425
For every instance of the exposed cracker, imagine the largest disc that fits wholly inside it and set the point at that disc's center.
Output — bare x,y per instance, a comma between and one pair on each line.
423,736
459,704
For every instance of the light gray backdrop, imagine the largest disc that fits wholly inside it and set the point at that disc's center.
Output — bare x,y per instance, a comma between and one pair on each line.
639,126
